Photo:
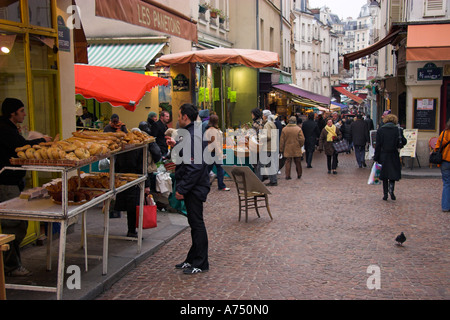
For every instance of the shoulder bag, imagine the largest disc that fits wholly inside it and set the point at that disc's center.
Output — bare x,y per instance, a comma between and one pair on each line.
341,146
436,156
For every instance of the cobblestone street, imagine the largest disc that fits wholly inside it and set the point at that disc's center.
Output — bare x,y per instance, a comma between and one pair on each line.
327,231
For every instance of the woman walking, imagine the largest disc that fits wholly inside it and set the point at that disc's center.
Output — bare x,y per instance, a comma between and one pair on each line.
291,143
445,166
214,136
329,134
386,154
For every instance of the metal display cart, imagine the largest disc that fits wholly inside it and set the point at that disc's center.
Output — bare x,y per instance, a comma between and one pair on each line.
46,210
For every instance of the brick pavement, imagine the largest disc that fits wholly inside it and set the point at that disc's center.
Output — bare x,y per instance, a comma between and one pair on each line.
327,230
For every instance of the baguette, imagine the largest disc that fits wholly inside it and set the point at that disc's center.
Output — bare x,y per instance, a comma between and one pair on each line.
94,137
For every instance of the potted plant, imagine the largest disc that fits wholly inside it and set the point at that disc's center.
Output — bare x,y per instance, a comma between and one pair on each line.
202,7
222,17
214,13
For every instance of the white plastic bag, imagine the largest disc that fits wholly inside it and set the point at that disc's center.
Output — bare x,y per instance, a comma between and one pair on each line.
374,177
164,183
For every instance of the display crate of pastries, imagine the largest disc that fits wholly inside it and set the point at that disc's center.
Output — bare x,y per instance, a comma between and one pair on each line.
86,186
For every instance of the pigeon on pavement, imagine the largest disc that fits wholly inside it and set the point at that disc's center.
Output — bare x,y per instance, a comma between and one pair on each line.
400,239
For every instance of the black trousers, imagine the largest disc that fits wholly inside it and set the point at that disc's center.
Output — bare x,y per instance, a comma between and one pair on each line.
11,258
332,161
198,253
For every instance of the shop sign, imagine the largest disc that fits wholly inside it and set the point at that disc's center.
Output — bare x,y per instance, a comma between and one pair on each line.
143,14
429,72
181,83
63,35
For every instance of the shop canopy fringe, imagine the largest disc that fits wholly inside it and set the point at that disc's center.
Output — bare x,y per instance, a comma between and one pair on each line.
247,57
117,87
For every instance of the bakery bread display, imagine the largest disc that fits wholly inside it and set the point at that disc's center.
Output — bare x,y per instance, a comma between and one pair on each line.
83,146
85,187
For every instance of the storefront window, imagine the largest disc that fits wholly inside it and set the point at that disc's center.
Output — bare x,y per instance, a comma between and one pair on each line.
10,10
12,70
40,13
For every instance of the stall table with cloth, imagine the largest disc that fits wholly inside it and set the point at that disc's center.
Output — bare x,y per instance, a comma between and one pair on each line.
46,210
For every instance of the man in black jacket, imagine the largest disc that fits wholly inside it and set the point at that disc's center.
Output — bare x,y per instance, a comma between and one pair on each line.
158,130
12,182
192,185
360,137
311,132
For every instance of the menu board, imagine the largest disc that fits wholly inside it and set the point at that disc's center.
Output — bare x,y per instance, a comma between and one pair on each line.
410,149
424,114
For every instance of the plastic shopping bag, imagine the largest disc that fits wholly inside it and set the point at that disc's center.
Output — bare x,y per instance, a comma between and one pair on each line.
374,177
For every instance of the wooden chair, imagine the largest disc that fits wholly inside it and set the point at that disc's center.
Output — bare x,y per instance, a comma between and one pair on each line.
4,246
432,144
249,199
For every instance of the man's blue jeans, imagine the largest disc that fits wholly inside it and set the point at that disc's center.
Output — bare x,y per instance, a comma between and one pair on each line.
445,170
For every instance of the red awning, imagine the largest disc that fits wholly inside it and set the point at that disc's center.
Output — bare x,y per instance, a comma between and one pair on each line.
349,94
247,57
119,88
369,50
149,14
428,42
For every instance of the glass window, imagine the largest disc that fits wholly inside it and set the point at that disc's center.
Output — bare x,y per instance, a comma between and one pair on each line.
12,72
10,10
40,12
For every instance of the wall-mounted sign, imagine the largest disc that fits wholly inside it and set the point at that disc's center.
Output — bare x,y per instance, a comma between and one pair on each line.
425,113
181,83
63,35
429,72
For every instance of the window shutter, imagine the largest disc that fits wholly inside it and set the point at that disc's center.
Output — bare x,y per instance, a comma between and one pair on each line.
434,8
396,11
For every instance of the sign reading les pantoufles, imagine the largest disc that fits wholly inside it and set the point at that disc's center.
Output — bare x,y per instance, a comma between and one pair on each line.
146,15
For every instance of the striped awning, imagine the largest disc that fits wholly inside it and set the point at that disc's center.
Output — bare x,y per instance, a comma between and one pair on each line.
124,56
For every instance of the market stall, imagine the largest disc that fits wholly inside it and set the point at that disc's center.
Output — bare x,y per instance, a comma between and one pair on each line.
53,203
226,80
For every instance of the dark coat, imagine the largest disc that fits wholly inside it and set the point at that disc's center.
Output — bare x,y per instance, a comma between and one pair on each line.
360,132
328,146
386,152
346,129
129,162
158,130
10,140
191,177
311,132
370,125
108,128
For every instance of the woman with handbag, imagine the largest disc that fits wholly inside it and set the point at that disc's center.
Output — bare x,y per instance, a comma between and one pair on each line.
386,154
329,134
442,145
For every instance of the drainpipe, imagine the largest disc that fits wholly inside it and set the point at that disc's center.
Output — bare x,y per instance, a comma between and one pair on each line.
258,102
257,24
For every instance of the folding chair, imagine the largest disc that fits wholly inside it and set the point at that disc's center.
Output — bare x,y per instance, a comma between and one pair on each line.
249,199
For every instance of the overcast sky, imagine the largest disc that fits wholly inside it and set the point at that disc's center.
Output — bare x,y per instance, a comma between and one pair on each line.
343,8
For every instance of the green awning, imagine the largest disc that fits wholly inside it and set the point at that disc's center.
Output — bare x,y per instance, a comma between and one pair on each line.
125,56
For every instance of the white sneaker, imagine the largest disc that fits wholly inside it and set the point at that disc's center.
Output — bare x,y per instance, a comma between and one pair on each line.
225,189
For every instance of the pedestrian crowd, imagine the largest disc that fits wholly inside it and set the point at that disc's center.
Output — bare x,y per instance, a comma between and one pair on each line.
286,141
